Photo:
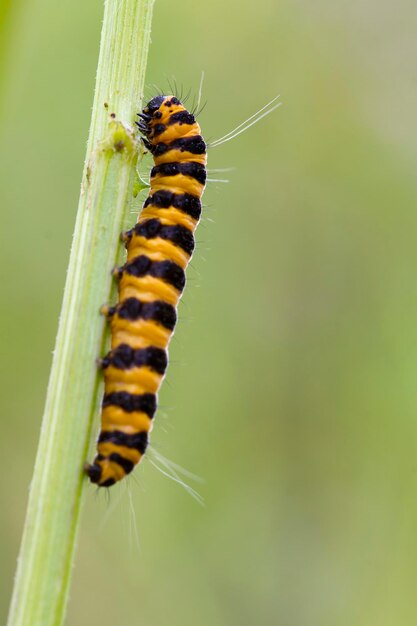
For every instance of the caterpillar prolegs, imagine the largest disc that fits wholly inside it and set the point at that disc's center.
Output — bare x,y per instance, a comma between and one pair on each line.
151,282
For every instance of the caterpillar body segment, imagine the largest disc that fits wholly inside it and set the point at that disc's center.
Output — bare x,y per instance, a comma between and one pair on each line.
151,282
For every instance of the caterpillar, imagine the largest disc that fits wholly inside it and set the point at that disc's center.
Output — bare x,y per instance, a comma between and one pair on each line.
150,284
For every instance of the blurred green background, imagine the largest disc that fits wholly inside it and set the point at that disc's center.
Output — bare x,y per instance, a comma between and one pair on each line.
292,386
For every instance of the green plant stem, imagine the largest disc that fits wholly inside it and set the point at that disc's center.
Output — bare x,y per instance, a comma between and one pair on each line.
47,550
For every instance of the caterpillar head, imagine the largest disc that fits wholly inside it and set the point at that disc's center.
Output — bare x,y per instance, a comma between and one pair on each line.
165,118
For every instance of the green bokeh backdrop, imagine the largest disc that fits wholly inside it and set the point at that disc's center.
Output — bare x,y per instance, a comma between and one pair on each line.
292,386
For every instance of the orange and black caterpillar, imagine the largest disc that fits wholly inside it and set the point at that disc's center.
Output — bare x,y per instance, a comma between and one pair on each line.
151,282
